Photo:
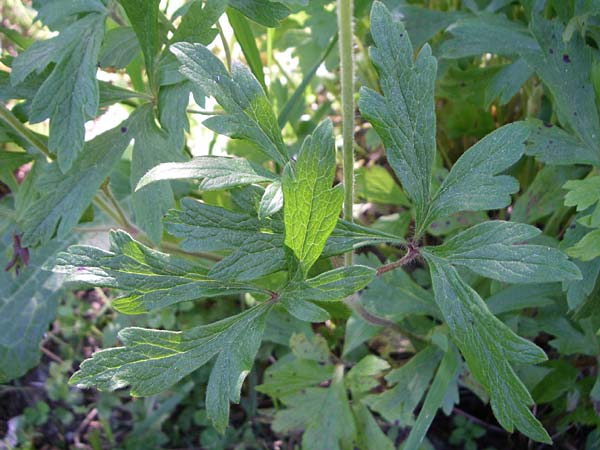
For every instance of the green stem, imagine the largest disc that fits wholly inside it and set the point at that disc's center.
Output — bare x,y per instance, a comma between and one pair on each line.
344,8
225,46
7,115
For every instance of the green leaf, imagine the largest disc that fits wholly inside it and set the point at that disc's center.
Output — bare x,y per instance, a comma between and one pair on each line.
150,279
444,377
507,82
119,47
314,348
69,96
27,305
410,383
143,16
66,196
264,12
487,249
311,205
214,172
488,346
249,113
289,375
375,184
516,298
151,361
331,286
362,377
583,193
271,201
587,248
404,116
323,413
565,68
545,194
151,148
245,37
257,245
487,33
475,182
369,434
197,23
552,145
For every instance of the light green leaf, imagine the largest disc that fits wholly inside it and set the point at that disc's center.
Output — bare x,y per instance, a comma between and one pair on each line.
488,249
565,68
587,248
444,377
150,279
488,346
245,37
404,116
487,33
151,361
249,113
552,145
214,172
143,16
411,381
66,196
313,348
289,375
362,377
27,305
323,413
475,182
271,201
264,12
69,96
375,184
583,193
369,435
151,148
311,205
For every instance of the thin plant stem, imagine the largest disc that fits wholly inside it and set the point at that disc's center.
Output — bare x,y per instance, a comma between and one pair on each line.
117,207
410,255
7,115
225,45
344,9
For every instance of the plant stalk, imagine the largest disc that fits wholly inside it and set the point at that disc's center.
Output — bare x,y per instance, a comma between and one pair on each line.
7,115
345,30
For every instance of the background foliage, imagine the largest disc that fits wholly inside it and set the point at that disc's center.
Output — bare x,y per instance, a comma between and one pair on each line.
469,317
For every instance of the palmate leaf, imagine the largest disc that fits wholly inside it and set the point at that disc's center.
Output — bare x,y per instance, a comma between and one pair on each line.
488,249
69,96
249,113
151,361
404,116
489,347
311,205
150,279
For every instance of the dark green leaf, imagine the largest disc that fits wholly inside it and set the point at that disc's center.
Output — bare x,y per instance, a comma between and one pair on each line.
404,116
150,279
265,12
151,361
488,346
